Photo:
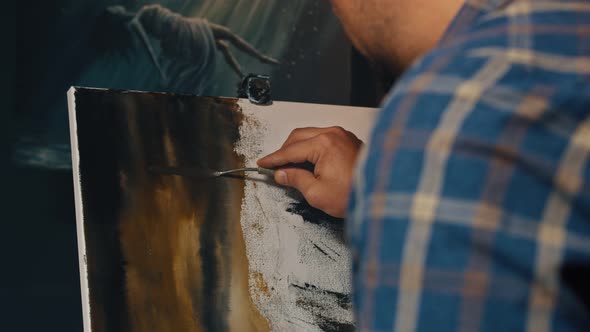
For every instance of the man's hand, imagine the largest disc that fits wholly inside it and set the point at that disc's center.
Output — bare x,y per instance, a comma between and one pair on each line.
333,151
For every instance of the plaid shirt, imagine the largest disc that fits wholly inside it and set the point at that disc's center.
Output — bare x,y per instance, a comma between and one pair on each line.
471,204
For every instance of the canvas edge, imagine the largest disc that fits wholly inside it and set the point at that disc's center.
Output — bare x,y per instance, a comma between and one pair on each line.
246,104
84,289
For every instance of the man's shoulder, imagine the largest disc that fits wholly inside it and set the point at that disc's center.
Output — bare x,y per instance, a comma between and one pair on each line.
522,29
504,55
483,143
524,65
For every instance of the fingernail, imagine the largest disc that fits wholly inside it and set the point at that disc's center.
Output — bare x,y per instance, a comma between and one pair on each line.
281,178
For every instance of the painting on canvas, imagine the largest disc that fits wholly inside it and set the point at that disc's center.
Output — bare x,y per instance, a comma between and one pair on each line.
161,252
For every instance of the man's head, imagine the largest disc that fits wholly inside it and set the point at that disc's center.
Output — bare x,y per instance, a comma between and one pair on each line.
393,33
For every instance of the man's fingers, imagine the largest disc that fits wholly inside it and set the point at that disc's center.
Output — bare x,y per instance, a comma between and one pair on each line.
298,152
301,134
299,146
297,178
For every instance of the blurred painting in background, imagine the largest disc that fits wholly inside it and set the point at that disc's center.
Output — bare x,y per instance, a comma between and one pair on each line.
198,47
187,46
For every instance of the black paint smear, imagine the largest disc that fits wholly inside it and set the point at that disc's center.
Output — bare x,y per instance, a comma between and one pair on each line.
317,309
99,166
336,225
343,300
334,326
334,251
323,251
318,217
313,215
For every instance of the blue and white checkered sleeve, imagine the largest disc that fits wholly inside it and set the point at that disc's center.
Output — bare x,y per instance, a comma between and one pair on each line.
472,198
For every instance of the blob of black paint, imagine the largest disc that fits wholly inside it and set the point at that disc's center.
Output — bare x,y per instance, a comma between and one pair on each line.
317,309
256,88
343,300
316,216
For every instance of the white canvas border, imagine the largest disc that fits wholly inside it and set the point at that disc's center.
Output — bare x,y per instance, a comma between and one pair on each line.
79,210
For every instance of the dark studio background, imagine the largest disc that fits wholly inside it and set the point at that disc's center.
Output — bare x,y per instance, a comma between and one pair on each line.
40,279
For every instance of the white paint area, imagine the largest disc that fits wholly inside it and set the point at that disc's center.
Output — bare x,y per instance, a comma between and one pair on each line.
279,244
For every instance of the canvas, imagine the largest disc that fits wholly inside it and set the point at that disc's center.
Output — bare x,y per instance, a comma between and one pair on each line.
161,252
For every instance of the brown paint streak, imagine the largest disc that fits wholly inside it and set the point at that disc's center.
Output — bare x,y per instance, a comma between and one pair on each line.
161,254
260,284
160,231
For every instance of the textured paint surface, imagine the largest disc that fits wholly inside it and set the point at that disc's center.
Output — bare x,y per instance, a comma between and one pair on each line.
295,251
163,252
197,253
